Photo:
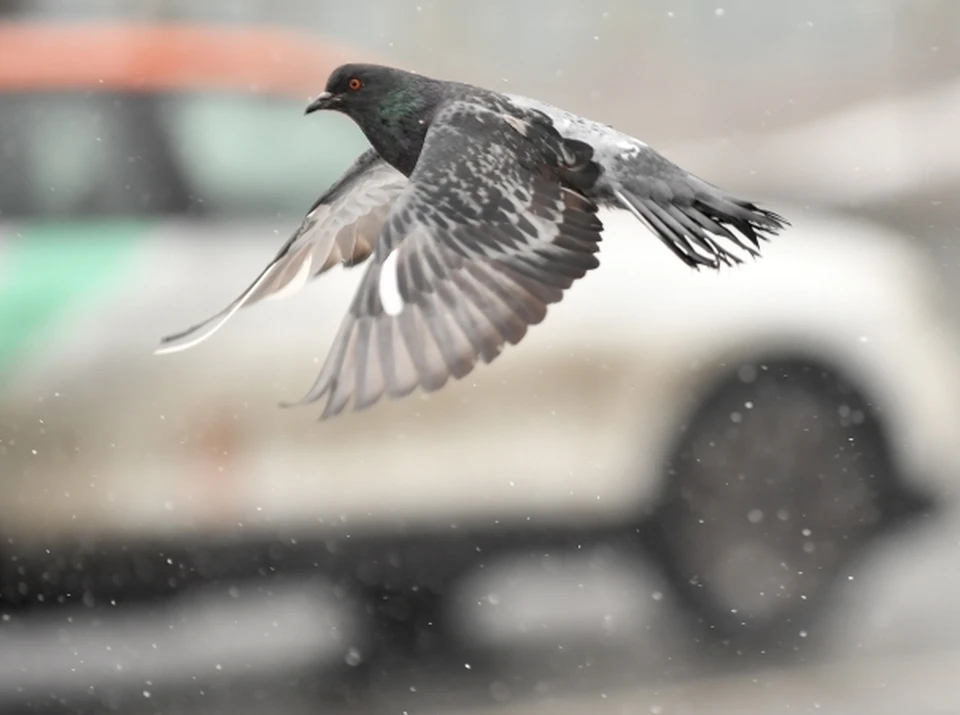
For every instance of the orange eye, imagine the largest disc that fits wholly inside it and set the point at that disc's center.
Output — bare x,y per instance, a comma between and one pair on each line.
355,84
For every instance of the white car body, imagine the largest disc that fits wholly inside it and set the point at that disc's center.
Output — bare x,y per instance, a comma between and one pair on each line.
102,437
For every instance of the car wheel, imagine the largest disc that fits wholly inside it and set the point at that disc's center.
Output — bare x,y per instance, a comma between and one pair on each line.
780,476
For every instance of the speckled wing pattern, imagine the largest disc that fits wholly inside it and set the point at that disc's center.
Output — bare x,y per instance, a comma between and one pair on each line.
484,237
341,228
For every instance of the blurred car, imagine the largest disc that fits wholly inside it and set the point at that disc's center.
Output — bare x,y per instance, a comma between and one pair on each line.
147,186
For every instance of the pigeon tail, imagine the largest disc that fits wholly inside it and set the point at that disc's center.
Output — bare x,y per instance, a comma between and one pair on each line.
702,226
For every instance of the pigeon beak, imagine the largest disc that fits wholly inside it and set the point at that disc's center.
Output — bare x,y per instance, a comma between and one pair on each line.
324,100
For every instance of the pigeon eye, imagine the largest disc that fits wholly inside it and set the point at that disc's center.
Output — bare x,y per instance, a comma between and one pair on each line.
355,84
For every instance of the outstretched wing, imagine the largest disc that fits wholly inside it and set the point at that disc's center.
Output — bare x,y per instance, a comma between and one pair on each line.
341,227
481,241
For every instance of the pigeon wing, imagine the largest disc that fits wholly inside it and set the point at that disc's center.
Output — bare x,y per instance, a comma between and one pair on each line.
341,227
484,237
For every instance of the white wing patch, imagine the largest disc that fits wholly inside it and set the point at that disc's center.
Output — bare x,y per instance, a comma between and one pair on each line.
389,285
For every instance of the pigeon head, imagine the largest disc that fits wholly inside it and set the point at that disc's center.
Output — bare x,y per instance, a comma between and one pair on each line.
392,107
354,88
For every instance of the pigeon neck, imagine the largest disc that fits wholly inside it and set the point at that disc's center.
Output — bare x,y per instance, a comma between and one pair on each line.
397,125
399,146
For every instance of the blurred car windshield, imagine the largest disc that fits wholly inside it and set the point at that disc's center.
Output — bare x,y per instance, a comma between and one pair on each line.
82,154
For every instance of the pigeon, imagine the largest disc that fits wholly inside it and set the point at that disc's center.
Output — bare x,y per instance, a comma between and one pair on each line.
474,211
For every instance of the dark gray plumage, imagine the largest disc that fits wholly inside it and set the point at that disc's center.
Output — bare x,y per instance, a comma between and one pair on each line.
479,210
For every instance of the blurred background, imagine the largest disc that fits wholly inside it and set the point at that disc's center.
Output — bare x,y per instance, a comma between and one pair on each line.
738,494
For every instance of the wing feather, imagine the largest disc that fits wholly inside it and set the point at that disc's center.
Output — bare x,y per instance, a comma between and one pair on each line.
341,227
486,235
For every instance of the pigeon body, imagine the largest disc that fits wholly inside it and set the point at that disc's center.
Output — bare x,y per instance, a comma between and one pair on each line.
479,209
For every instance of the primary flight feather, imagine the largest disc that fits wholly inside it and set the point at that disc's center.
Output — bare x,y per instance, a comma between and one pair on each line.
478,210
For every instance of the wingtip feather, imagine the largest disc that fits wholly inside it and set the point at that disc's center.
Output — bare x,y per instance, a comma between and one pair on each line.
193,336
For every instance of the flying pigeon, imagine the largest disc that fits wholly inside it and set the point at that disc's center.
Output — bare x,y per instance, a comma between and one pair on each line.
476,210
